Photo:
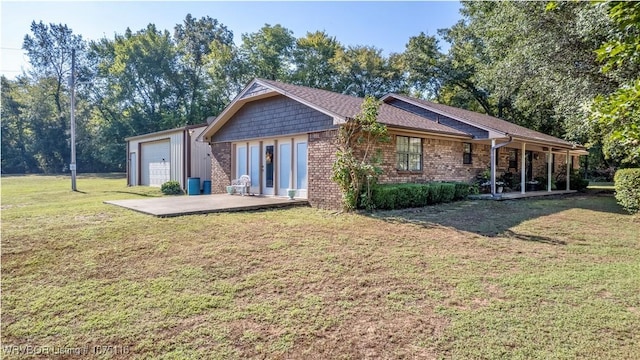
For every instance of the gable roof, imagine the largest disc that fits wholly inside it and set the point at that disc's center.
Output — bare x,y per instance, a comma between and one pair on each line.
484,121
339,106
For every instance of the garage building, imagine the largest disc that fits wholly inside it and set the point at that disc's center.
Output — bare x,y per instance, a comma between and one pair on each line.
155,158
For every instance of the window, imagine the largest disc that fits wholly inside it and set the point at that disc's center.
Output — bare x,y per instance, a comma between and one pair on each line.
409,152
513,159
466,154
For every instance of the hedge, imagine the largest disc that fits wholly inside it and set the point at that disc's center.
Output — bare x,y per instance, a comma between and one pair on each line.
399,196
627,185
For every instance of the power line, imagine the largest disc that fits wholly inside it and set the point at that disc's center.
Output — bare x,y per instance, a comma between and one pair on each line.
8,48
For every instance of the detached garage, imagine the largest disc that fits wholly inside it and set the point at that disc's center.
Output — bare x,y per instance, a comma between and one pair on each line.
155,158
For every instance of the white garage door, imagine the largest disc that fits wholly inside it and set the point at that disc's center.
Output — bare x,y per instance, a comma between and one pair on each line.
156,164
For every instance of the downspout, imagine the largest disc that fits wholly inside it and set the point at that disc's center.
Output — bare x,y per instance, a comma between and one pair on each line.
495,147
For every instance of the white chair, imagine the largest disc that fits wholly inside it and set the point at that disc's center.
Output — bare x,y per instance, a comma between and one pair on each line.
242,185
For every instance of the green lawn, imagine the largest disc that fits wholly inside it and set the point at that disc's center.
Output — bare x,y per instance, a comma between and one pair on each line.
555,278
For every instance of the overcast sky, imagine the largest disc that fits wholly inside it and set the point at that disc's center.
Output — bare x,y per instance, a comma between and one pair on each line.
386,25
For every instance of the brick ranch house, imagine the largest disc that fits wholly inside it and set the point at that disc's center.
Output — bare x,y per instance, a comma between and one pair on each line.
283,136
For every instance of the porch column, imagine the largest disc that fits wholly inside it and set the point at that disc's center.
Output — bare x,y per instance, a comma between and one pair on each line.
568,172
549,170
493,167
523,160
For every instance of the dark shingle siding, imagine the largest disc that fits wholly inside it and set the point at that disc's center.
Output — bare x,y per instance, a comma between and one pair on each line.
271,117
444,120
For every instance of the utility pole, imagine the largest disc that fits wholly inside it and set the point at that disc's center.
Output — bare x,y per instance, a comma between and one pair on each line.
72,81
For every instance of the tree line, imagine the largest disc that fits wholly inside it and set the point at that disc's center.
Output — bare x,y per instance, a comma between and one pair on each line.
569,69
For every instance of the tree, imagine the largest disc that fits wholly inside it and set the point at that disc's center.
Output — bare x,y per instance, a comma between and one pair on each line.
134,89
49,51
267,53
615,118
312,58
358,158
196,42
46,101
422,60
363,70
16,132
527,62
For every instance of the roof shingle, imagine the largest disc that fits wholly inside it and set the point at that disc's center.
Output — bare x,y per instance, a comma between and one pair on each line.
485,121
346,107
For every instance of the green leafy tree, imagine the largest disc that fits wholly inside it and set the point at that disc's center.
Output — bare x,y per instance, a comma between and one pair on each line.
268,53
46,98
16,132
616,117
528,63
363,70
197,40
358,157
134,89
49,50
312,58
422,62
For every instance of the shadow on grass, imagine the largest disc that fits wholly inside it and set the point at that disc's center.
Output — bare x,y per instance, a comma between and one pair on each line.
497,218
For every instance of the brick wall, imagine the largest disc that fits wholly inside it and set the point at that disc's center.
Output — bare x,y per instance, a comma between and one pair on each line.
323,192
220,167
441,161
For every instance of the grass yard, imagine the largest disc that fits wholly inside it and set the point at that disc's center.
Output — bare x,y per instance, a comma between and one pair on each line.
555,278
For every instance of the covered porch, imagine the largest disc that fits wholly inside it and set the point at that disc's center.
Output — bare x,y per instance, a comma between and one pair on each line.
531,159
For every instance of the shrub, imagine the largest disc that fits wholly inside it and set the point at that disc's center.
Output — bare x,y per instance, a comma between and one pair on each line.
171,188
627,185
435,195
448,191
576,180
462,190
399,196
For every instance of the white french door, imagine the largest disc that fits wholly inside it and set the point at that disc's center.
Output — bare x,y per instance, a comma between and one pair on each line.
268,168
284,167
300,162
274,165
254,167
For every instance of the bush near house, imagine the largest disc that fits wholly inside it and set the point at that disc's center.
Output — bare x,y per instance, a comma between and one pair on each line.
171,188
627,185
399,196
577,182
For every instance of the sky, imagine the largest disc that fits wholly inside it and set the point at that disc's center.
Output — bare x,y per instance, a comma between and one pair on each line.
385,25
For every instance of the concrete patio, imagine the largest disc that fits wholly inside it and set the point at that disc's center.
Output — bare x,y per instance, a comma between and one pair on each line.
169,206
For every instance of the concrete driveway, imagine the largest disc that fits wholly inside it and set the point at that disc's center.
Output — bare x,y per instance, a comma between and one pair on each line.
168,206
